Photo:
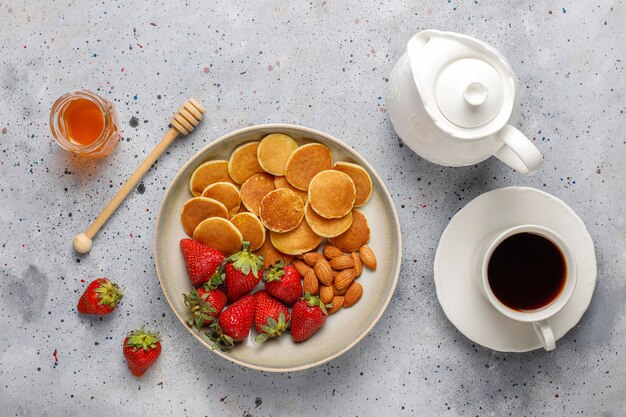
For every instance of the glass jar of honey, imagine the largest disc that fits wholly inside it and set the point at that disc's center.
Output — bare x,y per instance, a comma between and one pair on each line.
84,123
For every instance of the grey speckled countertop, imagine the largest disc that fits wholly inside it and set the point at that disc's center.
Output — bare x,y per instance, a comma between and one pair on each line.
323,65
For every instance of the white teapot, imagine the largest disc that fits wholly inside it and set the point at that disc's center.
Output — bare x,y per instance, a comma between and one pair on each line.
453,100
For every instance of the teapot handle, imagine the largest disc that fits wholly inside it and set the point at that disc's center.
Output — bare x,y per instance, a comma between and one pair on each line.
518,151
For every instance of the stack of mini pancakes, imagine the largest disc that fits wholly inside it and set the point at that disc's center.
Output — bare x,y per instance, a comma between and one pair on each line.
282,198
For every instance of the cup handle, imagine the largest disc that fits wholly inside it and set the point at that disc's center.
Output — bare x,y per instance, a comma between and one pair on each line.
518,151
545,334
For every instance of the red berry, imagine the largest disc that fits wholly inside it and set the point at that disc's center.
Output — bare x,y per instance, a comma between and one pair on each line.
202,261
100,297
307,317
141,350
271,318
234,323
284,283
243,271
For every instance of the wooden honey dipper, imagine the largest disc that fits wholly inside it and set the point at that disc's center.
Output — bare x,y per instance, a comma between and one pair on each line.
184,122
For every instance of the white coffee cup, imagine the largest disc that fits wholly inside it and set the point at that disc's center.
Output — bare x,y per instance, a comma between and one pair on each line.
538,317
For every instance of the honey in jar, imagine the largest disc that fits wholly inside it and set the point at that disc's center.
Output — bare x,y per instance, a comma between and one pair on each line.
84,123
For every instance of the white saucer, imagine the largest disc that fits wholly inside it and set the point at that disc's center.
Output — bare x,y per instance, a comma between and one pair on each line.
457,278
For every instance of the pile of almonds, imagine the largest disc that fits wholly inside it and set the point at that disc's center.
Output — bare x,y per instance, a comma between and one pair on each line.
332,274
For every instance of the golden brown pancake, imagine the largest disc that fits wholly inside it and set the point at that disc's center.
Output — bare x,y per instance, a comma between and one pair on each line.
356,236
274,151
361,179
332,194
271,255
251,229
226,193
220,234
254,189
281,210
305,162
199,208
208,173
296,242
243,163
326,227
281,182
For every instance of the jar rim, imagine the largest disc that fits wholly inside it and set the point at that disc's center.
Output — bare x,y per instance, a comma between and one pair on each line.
61,103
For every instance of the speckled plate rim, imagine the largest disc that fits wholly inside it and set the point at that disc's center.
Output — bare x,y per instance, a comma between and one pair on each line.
385,194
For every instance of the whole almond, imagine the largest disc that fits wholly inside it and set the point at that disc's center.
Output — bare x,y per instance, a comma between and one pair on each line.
338,302
310,283
344,279
342,262
324,272
367,257
302,267
331,252
338,291
358,266
326,294
353,295
312,257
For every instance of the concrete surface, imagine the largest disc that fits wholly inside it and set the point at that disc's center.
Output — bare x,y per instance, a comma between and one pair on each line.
323,65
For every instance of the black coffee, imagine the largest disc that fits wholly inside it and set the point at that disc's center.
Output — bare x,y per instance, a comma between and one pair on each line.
526,271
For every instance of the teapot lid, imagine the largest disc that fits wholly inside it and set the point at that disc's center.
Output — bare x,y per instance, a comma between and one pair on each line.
466,86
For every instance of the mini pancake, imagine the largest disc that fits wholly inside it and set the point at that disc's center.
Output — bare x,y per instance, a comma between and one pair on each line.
271,255
226,193
199,208
281,182
208,173
305,162
361,179
300,240
243,163
332,194
254,189
281,210
357,235
274,151
220,234
326,227
251,229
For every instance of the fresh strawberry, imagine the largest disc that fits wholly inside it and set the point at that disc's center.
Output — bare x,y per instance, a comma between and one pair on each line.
204,305
307,317
100,297
283,282
202,261
243,271
141,350
233,325
271,318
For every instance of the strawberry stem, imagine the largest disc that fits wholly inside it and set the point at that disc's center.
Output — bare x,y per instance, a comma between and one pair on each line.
245,261
220,340
140,339
109,293
275,272
199,309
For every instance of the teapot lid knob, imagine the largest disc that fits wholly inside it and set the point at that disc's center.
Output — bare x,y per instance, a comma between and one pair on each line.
469,92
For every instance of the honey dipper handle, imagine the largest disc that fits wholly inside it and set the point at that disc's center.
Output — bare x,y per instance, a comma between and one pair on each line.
131,183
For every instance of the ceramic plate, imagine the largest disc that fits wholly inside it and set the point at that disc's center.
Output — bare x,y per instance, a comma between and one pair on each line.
344,329
457,267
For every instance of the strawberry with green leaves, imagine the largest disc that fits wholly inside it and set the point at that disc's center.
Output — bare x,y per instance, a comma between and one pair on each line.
307,317
141,350
243,271
100,297
202,261
284,283
271,317
233,325
205,303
